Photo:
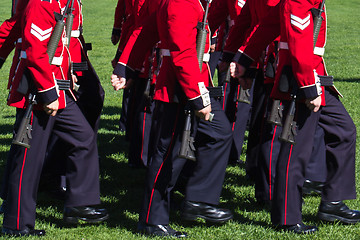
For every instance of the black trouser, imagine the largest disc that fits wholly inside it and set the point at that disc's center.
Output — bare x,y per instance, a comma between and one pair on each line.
82,164
205,184
340,138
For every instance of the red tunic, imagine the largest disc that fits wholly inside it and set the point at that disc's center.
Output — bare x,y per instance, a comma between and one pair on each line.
10,30
292,19
38,23
219,13
174,23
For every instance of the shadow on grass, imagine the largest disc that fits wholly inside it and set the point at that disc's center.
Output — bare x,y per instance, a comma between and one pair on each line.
346,80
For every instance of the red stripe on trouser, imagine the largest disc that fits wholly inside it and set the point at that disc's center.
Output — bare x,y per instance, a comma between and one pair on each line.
20,181
19,194
157,175
271,152
287,178
143,134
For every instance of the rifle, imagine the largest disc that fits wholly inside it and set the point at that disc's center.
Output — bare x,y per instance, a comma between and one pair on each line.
201,36
23,135
187,149
288,133
56,34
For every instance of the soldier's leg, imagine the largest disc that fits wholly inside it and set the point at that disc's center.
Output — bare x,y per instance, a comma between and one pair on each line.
165,166
24,174
212,151
290,170
139,143
340,140
203,190
316,171
82,167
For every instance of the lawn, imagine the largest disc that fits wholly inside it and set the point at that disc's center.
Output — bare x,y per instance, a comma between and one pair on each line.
122,186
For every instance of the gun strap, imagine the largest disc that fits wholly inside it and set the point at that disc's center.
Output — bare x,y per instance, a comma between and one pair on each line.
80,66
63,84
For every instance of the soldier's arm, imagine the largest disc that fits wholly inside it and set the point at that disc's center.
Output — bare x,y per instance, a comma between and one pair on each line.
118,21
142,39
182,22
39,24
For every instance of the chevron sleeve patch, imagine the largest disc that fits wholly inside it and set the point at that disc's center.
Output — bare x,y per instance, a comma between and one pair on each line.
301,23
39,33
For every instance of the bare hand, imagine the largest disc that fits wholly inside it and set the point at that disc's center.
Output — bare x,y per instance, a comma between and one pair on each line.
204,113
212,48
313,104
118,82
74,81
237,70
52,108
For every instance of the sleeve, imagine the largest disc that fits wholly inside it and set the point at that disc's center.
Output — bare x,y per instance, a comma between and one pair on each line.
237,33
8,36
182,22
266,32
299,30
141,41
39,23
118,17
218,13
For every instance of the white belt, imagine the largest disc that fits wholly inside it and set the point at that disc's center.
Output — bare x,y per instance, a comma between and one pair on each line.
56,60
75,33
166,53
317,50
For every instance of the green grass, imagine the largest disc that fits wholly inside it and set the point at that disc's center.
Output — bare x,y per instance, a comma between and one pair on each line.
122,186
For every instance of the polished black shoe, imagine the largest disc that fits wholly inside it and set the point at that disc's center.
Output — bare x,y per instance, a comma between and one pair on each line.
25,232
160,230
312,187
193,210
299,228
337,211
88,214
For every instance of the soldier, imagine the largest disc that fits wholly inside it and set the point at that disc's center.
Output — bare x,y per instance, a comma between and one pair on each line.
90,98
237,112
124,21
263,145
221,19
55,112
319,105
180,81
